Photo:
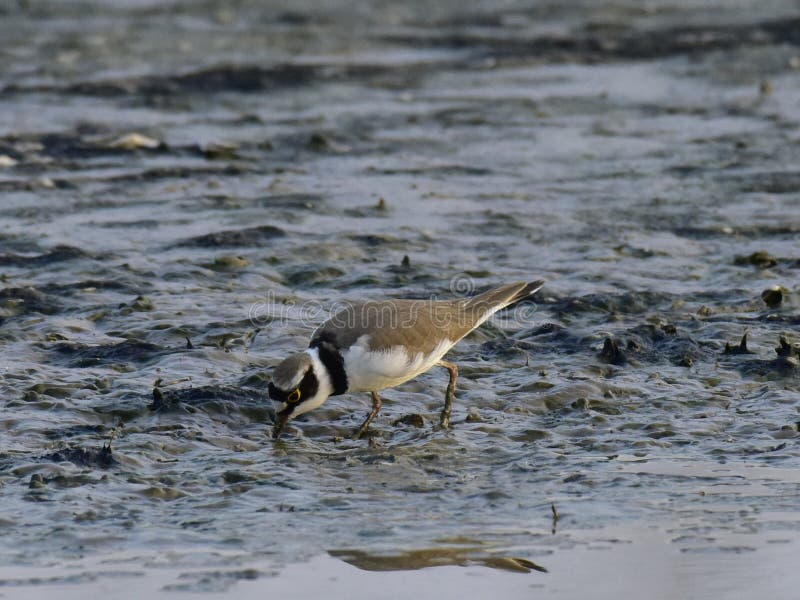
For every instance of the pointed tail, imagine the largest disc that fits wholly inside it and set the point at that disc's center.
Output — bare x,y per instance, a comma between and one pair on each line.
489,302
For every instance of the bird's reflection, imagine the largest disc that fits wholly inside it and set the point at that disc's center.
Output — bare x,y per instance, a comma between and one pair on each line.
434,557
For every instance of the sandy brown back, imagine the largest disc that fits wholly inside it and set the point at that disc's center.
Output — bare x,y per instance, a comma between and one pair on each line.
419,325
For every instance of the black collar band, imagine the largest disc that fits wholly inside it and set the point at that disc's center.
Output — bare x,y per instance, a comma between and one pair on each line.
331,357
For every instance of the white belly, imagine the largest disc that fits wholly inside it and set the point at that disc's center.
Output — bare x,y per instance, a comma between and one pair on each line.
372,371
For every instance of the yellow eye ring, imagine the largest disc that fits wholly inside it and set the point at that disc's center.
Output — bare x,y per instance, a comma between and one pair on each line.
294,396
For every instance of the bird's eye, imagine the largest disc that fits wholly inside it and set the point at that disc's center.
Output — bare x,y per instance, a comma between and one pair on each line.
294,396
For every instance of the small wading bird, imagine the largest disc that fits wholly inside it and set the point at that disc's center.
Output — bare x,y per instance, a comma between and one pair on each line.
371,346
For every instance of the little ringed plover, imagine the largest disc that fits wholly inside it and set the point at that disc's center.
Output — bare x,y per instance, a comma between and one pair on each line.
371,346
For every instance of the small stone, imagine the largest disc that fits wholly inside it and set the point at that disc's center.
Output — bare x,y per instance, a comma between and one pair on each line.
7,161
142,303
473,416
36,482
235,477
414,420
760,259
612,353
787,350
773,297
134,141
220,151
765,88
319,142
224,16
228,263
582,404
786,432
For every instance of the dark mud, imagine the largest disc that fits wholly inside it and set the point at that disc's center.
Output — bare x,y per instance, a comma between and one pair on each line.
58,254
600,42
83,457
253,236
21,300
215,399
187,188
80,355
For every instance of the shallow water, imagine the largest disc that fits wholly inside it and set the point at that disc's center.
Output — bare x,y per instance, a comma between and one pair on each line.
641,160
653,567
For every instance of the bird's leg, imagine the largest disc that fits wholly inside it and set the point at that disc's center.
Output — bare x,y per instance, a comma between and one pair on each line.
451,390
376,406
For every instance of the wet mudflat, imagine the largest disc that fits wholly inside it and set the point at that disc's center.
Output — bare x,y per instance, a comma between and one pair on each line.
186,188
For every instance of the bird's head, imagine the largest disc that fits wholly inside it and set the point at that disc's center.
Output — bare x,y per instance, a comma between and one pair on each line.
299,384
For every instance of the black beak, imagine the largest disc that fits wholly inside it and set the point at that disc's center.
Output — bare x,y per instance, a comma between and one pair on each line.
281,419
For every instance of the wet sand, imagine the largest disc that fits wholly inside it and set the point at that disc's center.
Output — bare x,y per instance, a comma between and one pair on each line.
187,188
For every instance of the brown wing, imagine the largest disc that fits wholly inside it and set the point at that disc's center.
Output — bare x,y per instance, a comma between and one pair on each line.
419,325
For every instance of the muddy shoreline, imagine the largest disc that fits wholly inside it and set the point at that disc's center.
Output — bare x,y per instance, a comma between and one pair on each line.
187,188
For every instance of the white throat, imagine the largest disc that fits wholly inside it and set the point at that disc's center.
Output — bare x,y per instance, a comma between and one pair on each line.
324,390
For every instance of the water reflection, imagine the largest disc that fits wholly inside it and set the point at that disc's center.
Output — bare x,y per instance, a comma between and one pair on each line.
412,560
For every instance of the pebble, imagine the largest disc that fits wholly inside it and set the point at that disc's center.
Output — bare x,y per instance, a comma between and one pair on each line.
773,296
135,141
